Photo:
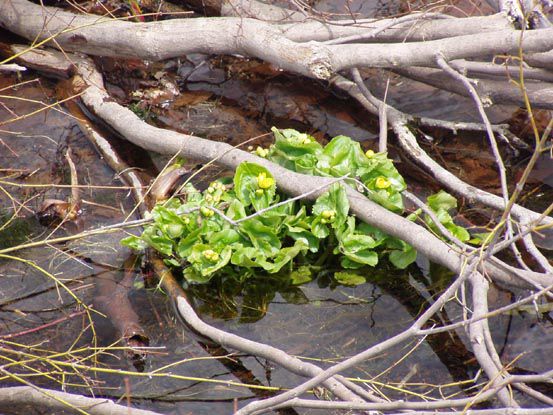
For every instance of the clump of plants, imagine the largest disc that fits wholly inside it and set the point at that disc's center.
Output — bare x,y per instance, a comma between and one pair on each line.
241,226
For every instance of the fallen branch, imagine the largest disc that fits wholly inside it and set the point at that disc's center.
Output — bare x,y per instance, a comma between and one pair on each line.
54,400
102,36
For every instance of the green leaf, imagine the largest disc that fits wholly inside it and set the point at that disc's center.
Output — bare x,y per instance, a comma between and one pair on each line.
342,155
192,275
347,263
172,262
246,256
193,195
403,258
441,201
285,256
254,185
134,242
262,237
294,150
236,210
357,247
172,203
252,257
156,239
373,171
306,164
365,256
184,246
458,231
206,259
354,239
335,200
298,227
349,278
274,218
479,238
168,221
379,165
174,230
390,197
225,237
319,229
378,236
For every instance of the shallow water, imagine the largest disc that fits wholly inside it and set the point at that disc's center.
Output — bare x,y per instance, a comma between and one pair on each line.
315,321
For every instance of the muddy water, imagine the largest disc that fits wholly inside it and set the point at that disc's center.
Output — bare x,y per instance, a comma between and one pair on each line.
316,321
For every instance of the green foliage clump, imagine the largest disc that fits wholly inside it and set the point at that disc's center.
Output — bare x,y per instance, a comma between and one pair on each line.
441,203
239,227
302,153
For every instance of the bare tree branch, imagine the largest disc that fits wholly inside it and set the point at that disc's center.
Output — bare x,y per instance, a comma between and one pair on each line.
160,40
55,400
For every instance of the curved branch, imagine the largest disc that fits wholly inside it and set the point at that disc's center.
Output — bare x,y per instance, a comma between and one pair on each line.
55,400
185,311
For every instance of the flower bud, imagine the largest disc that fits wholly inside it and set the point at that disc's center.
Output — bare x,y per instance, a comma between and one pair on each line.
210,255
206,212
382,183
261,152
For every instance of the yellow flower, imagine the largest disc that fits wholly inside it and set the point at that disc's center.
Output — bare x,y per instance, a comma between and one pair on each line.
369,154
382,183
263,181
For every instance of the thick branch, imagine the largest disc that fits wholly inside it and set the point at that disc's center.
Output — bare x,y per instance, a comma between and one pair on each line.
59,401
492,91
160,40
102,36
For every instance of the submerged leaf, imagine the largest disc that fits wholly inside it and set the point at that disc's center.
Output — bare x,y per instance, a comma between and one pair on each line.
349,278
